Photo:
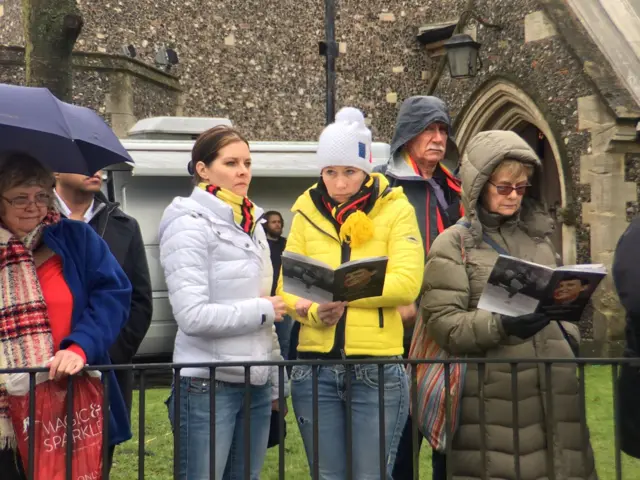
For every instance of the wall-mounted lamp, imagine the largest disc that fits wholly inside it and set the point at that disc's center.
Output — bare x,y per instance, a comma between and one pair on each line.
463,56
462,51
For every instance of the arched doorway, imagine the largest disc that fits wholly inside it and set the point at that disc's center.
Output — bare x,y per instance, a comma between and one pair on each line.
551,188
501,105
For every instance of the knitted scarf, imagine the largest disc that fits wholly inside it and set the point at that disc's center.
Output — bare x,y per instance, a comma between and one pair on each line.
350,217
25,334
243,208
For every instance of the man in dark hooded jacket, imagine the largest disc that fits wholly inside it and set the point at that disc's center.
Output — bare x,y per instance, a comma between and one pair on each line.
79,198
626,276
424,156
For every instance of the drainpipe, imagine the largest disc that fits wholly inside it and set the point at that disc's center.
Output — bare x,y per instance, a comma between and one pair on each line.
329,49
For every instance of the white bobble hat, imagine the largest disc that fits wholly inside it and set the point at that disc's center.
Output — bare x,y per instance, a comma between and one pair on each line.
346,142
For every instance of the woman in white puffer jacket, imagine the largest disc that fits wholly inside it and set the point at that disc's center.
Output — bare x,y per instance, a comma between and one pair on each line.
216,262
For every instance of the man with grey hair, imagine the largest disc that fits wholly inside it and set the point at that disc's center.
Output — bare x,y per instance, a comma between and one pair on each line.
424,157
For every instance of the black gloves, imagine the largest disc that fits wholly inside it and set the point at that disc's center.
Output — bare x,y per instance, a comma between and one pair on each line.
524,326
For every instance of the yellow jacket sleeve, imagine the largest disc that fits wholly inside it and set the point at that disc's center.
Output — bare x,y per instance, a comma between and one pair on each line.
296,244
405,269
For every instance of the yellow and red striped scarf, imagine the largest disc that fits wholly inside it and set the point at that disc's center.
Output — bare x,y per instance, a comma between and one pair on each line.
354,225
412,163
243,208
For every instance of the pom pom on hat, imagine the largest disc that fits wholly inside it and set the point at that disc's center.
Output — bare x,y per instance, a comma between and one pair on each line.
350,115
346,142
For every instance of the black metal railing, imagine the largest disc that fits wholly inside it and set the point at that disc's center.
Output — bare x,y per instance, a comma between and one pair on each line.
144,369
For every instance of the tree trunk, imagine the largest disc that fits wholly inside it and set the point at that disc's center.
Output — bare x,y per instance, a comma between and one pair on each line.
51,28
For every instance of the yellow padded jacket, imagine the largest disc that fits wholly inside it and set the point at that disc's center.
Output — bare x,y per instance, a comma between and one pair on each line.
373,326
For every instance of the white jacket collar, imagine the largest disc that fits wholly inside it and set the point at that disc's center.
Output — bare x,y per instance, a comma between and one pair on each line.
216,206
203,204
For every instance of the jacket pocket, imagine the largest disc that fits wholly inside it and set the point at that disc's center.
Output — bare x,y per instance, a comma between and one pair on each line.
393,376
380,318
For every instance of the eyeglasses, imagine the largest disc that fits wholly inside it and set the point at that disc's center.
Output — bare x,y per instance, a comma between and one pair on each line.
507,189
41,200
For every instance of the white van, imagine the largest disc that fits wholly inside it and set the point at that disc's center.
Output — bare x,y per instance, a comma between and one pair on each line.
161,149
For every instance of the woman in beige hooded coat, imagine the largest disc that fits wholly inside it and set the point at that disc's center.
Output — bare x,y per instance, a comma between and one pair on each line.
497,170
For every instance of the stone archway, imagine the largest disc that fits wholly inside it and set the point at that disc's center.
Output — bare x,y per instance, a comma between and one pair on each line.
501,105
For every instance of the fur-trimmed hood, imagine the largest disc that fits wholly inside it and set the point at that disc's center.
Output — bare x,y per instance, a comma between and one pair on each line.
484,153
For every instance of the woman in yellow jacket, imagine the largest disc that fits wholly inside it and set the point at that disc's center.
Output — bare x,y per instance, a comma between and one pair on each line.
352,214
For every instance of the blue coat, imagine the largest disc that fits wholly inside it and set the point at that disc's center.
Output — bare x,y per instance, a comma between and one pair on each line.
101,302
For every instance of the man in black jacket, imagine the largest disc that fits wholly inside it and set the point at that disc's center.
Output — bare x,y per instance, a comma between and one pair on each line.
273,228
79,198
424,157
626,276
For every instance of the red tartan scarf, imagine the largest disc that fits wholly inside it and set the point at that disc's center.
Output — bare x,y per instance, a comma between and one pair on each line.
243,208
25,334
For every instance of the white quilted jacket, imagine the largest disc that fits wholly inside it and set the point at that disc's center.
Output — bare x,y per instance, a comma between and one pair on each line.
215,275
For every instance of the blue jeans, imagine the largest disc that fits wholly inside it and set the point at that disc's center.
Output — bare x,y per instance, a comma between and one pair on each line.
194,433
333,413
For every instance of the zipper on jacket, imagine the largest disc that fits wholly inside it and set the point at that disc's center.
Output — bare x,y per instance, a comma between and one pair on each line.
339,338
380,317
427,243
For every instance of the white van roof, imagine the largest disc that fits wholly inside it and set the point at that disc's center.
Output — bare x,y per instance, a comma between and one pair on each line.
175,128
270,159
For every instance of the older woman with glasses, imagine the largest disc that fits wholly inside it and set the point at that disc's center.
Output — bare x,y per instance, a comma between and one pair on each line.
504,214
62,295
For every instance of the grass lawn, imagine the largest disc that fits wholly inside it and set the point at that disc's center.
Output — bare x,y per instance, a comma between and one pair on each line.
159,440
